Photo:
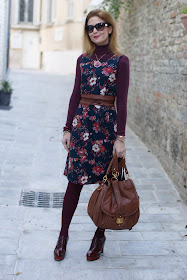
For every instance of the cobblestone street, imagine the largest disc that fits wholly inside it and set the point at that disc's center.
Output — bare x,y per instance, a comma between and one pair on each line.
33,158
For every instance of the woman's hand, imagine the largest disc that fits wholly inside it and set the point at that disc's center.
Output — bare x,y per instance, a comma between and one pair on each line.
66,140
119,148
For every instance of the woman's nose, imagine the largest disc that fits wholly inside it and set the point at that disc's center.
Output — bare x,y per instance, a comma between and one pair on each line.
94,30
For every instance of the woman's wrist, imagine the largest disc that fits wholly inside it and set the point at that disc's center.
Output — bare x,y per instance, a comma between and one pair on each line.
66,128
65,132
120,138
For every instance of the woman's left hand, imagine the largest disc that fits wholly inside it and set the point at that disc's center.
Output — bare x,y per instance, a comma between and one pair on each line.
119,148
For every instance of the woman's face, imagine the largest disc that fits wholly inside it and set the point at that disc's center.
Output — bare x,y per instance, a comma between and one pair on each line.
99,37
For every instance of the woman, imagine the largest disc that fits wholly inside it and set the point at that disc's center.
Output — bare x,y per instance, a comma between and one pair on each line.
94,131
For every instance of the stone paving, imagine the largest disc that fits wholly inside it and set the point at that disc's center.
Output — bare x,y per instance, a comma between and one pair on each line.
33,158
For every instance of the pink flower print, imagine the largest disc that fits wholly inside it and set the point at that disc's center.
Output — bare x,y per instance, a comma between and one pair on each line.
83,158
74,123
102,92
92,161
95,148
107,117
79,124
96,127
105,73
85,113
112,77
97,170
85,136
107,70
107,138
81,152
92,81
70,164
92,118
84,179
99,142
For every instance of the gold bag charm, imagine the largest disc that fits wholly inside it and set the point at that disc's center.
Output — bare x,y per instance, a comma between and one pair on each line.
119,220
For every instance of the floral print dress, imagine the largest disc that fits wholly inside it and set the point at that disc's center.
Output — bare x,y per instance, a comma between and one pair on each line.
94,127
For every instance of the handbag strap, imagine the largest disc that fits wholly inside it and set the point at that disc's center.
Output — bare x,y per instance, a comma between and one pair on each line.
117,167
109,167
122,165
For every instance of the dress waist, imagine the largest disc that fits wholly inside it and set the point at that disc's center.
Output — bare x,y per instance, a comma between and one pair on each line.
93,99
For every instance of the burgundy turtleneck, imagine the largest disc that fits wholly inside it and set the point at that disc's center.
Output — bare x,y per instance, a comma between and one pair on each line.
122,82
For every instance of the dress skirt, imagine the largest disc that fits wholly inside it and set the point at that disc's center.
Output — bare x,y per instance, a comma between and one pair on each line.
93,133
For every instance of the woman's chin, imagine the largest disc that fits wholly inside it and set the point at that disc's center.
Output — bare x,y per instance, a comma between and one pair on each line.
97,40
100,42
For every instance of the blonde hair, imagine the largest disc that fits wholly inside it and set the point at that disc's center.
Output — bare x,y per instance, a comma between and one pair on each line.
88,45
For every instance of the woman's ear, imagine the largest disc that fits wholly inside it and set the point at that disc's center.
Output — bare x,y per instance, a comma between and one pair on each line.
110,30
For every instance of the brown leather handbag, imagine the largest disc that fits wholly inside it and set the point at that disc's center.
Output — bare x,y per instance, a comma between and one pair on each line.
115,204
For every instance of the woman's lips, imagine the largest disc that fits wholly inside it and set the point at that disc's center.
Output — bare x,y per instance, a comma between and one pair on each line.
97,36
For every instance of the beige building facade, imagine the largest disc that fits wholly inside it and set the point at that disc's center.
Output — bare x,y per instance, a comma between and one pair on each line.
47,34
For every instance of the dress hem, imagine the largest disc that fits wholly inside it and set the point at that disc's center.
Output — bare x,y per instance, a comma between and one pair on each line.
87,183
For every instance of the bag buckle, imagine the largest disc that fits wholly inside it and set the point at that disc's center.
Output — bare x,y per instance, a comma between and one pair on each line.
105,178
102,183
115,175
119,220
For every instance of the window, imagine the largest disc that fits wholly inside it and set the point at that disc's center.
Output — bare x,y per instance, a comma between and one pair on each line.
70,9
21,10
30,11
51,11
26,11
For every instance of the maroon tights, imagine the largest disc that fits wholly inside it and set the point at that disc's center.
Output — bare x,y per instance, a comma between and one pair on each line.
70,202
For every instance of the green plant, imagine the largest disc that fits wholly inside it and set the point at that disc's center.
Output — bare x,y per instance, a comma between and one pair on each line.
6,86
114,6
184,10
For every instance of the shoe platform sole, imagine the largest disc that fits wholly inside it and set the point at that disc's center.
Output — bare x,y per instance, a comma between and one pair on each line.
59,258
89,258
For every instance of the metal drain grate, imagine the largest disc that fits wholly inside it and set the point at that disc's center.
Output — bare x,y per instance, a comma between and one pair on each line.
41,199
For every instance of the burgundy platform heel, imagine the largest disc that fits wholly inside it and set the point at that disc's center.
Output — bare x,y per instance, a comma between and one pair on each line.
60,249
96,248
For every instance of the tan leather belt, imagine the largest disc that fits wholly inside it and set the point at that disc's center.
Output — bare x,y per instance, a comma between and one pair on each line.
93,99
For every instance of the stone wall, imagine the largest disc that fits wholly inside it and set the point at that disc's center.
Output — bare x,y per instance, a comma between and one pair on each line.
154,38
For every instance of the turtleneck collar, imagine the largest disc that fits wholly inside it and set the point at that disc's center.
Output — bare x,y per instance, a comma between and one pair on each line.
101,49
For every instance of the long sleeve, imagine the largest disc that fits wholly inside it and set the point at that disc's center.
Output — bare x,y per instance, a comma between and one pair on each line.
123,74
75,97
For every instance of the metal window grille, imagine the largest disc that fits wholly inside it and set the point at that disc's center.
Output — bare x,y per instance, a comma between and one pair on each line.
41,199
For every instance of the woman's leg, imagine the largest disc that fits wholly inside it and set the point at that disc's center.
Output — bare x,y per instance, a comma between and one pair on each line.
100,232
70,202
97,245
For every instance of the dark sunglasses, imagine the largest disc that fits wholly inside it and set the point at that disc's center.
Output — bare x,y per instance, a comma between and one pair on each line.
99,26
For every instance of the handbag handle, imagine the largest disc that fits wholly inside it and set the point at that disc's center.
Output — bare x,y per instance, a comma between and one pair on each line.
117,167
